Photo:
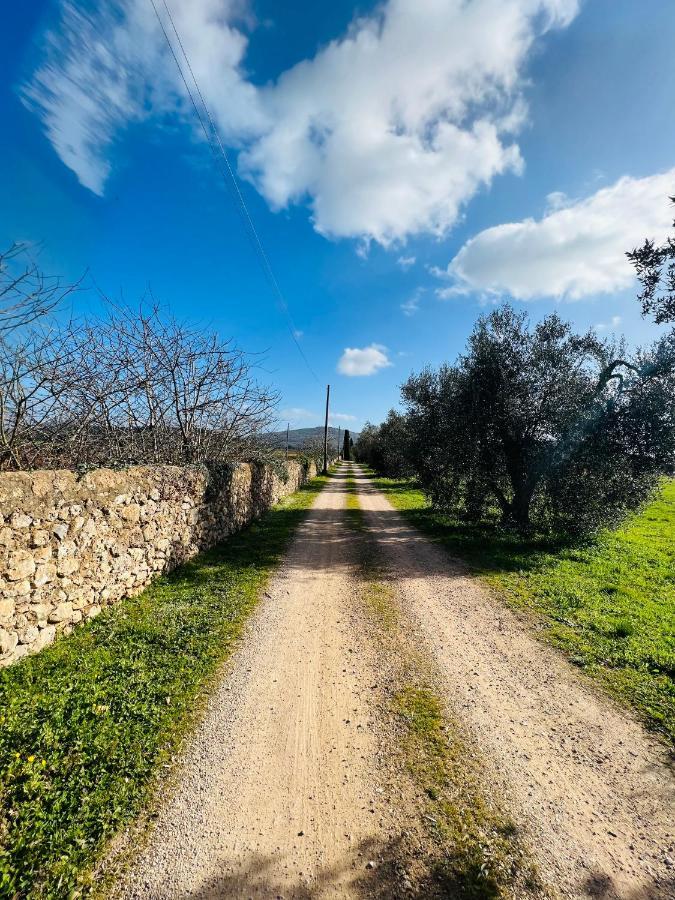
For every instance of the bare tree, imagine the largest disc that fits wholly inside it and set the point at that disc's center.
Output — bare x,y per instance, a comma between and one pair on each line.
26,293
177,392
312,450
133,385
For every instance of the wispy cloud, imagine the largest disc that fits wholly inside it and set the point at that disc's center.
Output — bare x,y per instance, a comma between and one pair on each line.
107,67
612,325
412,304
296,414
364,361
406,262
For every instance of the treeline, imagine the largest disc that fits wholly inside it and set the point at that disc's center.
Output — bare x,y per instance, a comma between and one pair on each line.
132,385
538,428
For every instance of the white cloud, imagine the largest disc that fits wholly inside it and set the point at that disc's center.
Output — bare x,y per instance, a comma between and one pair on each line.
412,304
609,326
449,293
366,361
575,250
389,131
556,200
386,132
296,414
406,262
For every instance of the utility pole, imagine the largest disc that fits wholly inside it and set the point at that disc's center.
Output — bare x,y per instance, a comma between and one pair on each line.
338,444
325,434
288,425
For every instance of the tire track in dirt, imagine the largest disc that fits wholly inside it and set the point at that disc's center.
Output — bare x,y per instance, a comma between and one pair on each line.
595,792
277,794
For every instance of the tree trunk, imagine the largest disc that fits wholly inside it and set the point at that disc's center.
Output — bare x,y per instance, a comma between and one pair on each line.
520,508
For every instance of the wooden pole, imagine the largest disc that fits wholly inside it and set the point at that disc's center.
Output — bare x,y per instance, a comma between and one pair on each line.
325,434
338,444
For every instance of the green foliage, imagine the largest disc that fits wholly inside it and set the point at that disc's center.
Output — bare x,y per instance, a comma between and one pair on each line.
385,447
655,268
610,603
551,430
85,724
347,446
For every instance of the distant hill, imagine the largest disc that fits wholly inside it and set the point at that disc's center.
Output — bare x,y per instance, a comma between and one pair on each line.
297,437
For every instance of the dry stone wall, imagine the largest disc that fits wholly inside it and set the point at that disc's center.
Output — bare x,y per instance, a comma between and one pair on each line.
71,545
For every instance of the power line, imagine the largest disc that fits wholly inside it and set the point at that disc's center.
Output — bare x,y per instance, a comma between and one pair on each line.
229,176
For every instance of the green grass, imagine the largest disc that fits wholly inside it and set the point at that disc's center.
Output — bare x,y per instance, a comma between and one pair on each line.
354,515
483,857
610,605
86,724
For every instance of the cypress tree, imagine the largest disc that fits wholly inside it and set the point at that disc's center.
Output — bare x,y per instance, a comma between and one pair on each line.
347,446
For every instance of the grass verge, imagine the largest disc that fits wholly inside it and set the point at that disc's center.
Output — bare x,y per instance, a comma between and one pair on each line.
475,851
86,723
610,604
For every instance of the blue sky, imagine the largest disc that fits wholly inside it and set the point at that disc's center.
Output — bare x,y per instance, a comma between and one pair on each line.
407,164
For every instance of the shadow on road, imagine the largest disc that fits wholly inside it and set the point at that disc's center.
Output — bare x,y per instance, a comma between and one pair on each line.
256,878
389,879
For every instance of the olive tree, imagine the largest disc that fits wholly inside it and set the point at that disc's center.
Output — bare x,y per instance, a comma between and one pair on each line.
553,430
655,268
385,447
365,448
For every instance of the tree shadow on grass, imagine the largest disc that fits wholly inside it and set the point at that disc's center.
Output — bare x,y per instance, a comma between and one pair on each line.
96,708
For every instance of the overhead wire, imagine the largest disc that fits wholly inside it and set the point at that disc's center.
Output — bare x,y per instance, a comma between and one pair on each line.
229,176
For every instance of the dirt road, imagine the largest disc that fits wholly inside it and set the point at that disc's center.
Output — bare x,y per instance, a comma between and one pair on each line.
596,793
278,792
283,791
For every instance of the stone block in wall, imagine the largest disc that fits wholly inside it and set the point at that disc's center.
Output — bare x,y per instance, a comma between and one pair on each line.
8,641
44,574
60,530
7,607
68,565
61,613
20,565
